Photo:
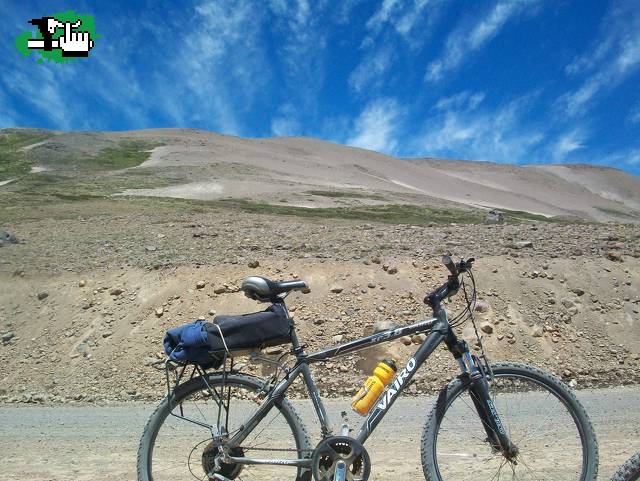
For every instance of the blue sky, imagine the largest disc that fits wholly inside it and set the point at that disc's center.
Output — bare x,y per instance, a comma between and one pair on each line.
513,81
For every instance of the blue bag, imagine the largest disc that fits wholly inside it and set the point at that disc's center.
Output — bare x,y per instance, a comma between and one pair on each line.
190,343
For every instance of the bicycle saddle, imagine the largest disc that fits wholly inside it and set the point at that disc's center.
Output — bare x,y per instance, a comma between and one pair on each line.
264,290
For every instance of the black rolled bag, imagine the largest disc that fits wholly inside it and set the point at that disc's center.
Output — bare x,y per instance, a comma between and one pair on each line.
205,343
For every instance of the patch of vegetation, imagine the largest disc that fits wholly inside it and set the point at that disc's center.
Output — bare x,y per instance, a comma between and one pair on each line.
14,162
33,190
391,213
17,138
142,172
128,153
75,197
617,212
42,179
520,215
345,194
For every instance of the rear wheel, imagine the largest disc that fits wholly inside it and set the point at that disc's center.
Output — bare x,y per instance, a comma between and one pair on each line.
629,471
543,418
174,448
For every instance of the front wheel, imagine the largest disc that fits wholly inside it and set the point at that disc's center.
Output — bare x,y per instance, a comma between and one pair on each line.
629,471
542,416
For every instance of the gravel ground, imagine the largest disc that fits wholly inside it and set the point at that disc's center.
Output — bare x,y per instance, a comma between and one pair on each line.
100,442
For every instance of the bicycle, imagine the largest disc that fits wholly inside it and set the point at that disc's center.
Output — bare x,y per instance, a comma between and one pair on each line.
629,471
494,421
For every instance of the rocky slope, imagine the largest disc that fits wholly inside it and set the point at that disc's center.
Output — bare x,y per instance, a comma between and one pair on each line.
89,291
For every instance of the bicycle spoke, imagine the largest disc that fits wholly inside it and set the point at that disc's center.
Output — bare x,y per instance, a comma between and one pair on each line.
521,460
547,417
181,448
536,420
265,427
499,469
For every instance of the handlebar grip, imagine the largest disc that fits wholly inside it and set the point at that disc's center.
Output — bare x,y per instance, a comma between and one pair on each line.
449,264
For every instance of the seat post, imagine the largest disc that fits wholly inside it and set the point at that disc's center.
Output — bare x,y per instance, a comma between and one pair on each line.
294,336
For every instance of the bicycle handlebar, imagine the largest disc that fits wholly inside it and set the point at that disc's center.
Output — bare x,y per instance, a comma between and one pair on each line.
449,264
452,285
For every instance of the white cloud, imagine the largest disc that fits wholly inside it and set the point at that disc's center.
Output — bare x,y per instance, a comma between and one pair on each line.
383,14
344,9
465,39
284,127
613,58
43,93
633,157
622,158
404,16
285,123
220,65
371,70
464,100
413,17
395,27
566,144
499,135
376,127
302,52
8,115
634,114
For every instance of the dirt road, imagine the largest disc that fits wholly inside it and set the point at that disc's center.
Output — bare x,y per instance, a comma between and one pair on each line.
96,443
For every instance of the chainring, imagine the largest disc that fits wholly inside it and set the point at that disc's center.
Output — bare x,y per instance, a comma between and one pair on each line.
335,448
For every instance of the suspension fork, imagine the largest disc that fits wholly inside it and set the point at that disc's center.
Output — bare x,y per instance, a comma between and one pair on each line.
473,370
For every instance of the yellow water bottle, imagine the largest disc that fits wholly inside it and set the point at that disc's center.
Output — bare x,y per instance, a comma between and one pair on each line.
364,400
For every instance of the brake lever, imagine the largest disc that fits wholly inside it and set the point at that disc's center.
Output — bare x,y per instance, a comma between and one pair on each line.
464,266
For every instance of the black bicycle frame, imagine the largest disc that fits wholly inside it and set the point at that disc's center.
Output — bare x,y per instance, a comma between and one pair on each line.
438,330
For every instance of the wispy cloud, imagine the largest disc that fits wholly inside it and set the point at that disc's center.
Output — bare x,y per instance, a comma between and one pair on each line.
302,62
634,114
404,17
285,124
301,53
463,100
500,135
376,127
468,38
567,143
42,93
343,10
609,61
417,16
220,62
383,14
8,115
395,29
371,71
626,158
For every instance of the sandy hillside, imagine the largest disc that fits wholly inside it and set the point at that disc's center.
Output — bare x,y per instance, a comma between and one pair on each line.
207,166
